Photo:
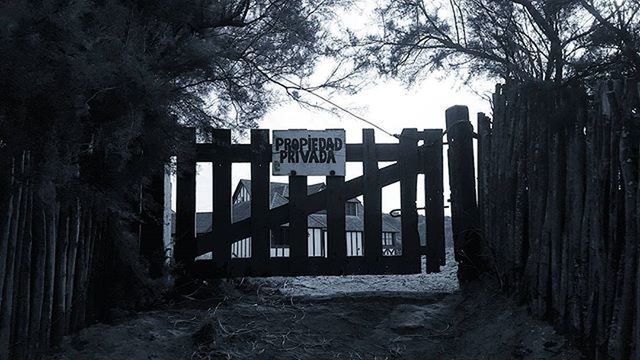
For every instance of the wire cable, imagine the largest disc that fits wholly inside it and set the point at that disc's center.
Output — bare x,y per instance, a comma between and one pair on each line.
343,109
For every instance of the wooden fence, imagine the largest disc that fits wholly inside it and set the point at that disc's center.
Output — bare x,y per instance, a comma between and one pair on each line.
411,159
47,248
558,190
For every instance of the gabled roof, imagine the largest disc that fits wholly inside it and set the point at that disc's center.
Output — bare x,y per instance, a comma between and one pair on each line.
278,188
390,223
355,223
277,200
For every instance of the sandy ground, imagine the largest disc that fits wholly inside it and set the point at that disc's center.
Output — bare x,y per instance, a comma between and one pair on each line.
354,317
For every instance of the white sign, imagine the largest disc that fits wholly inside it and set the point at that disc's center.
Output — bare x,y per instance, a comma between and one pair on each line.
308,152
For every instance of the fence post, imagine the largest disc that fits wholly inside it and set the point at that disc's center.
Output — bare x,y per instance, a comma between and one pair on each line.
464,208
408,163
222,201
298,223
434,200
372,203
260,234
337,243
185,237
484,147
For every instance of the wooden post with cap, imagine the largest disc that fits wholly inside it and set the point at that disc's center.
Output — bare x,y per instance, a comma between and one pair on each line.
465,216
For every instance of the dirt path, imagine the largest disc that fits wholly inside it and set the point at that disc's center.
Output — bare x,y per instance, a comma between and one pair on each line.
329,318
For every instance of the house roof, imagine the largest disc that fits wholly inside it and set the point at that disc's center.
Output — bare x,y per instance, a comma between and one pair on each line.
390,223
354,223
279,188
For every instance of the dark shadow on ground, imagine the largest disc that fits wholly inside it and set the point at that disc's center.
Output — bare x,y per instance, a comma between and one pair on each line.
328,318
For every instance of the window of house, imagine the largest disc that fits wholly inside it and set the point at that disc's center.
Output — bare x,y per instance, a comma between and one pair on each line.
387,238
280,242
351,208
317,242
241,249
243,195
354,243
284,236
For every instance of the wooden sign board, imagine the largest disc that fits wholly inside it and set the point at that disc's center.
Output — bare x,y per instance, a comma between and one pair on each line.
309,152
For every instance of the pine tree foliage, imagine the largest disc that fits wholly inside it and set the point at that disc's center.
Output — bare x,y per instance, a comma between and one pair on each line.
92,96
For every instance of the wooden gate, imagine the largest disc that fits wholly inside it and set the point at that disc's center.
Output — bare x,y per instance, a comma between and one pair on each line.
417,152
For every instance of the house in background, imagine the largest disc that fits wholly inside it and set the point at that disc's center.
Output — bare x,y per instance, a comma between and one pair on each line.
317,225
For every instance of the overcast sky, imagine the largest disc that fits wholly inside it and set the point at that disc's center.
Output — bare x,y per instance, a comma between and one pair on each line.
386,102
389,104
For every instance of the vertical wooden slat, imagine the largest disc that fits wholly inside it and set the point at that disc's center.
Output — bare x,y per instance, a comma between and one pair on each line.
38,274
408,162
260,241
185,238
21,288
6,311
298,222
637,297
622,327
7,183
52,213
372,203
221,200
464,209
484,151
434,200
59,306
337,242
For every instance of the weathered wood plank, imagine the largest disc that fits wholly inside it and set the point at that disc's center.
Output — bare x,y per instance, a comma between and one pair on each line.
185,243
484,161
565,189
260,235
221,201
408,186
384,152
620,342
335,204
298,221
434,199
464,209
372,201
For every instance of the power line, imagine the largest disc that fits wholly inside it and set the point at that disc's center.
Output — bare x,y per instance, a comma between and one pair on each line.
339,107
